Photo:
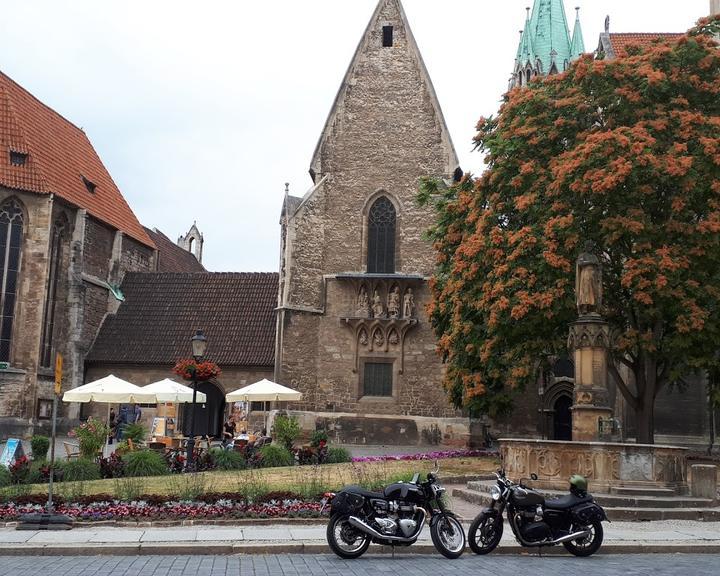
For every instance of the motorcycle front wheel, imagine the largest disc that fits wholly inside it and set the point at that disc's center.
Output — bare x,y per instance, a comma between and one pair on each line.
485,533
344,539
590,544
448,536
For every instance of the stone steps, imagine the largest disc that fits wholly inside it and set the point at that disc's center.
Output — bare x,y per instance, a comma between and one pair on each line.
619,507
630,491
636,498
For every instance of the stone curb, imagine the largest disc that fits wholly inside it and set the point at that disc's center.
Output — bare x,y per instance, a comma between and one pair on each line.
265,548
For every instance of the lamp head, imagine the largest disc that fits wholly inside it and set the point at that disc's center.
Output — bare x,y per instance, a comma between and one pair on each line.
199,345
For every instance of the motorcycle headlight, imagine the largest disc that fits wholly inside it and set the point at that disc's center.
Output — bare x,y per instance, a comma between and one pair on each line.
495,493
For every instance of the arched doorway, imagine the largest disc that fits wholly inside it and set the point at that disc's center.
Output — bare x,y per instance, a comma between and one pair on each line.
208,415
562,418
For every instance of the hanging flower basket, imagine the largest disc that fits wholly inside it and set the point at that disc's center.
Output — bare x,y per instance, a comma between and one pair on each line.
189,369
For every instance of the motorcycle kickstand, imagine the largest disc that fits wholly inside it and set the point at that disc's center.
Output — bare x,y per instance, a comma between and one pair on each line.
393,551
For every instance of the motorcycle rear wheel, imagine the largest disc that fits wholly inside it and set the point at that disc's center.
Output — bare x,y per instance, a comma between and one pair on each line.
586,546
485,533
448,537
344,539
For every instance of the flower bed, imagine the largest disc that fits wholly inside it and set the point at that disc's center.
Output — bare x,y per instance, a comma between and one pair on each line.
154,509
440,455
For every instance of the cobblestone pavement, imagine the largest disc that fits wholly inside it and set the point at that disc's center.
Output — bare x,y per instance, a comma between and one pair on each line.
326,565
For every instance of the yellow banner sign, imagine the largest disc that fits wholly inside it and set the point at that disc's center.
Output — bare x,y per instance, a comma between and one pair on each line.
58,373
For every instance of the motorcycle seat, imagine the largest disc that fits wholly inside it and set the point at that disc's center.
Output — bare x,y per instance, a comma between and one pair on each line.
362,492
566,502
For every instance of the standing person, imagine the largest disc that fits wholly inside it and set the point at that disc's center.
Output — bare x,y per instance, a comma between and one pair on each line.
121,421
112,424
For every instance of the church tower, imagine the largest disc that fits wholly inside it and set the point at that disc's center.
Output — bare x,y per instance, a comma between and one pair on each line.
192,242
546,46
352,332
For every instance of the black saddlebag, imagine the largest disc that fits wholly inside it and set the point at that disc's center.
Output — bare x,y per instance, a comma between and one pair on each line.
587,514
347,503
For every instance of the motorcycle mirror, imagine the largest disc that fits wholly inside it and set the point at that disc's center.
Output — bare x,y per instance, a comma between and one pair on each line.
533,476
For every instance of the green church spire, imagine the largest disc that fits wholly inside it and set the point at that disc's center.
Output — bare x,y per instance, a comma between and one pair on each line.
578,44
546,46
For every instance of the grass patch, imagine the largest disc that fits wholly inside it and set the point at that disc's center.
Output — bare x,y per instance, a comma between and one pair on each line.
306,480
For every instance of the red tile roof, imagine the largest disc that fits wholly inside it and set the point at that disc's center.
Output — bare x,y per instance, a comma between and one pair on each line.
59,156
171,257
621,41
161,312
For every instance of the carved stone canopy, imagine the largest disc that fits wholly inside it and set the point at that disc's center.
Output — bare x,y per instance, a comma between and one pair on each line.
589,333
379,335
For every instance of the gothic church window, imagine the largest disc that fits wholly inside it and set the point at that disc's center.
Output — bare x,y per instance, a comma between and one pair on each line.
51,293
381,237
11,234
377,379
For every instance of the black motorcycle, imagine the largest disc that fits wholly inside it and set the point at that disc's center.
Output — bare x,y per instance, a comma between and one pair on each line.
575,520
394,517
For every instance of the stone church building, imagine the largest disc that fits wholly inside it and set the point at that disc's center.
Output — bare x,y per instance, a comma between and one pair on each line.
352,332
67,239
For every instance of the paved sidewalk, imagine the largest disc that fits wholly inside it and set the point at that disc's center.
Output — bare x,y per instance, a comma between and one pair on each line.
620,537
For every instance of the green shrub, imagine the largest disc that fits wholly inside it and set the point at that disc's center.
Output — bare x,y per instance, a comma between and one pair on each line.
337,455
79,470
317,437
227,459
145,463
135,432
39,446
286,430
273,456
4,477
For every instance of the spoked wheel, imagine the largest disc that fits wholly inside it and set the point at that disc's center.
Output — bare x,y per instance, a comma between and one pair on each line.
345,540
448,536
588,545
485,533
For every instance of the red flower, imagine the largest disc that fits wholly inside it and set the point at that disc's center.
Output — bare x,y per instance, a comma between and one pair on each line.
188,369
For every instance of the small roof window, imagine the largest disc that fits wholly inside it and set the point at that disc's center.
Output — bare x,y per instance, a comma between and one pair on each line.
18,158
90,185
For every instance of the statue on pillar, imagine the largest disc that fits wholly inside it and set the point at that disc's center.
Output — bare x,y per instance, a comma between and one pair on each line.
588,282
393,306
378,308
408,304
363,304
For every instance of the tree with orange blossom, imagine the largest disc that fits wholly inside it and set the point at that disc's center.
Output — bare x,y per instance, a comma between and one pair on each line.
625,153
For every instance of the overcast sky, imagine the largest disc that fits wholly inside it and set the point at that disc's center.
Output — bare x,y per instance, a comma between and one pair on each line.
203,110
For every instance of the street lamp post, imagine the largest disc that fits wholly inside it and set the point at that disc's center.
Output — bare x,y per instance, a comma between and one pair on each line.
199,344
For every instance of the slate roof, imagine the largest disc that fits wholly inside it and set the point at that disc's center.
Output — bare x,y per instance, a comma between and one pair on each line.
59,157
171,257
620,41
162,311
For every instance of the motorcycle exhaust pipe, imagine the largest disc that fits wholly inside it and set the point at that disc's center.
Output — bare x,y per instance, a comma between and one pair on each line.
362,526
574,536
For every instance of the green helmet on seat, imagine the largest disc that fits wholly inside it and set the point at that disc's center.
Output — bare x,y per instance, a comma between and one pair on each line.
578,483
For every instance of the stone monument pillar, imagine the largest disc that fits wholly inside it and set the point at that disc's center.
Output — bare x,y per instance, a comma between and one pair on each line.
589,342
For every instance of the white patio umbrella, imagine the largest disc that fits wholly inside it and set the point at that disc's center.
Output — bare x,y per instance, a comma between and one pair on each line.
110,390
264,391
169,391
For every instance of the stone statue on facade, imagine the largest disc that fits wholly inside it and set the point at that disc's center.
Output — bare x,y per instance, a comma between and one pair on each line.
378,307
394,303
408,304
363,304
588,282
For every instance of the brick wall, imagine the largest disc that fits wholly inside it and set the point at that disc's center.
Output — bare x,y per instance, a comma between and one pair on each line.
97,248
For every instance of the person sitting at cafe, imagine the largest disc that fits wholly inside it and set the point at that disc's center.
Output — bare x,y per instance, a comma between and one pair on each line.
228,430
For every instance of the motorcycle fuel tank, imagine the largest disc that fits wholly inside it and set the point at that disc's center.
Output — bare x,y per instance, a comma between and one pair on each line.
522,497
404,491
